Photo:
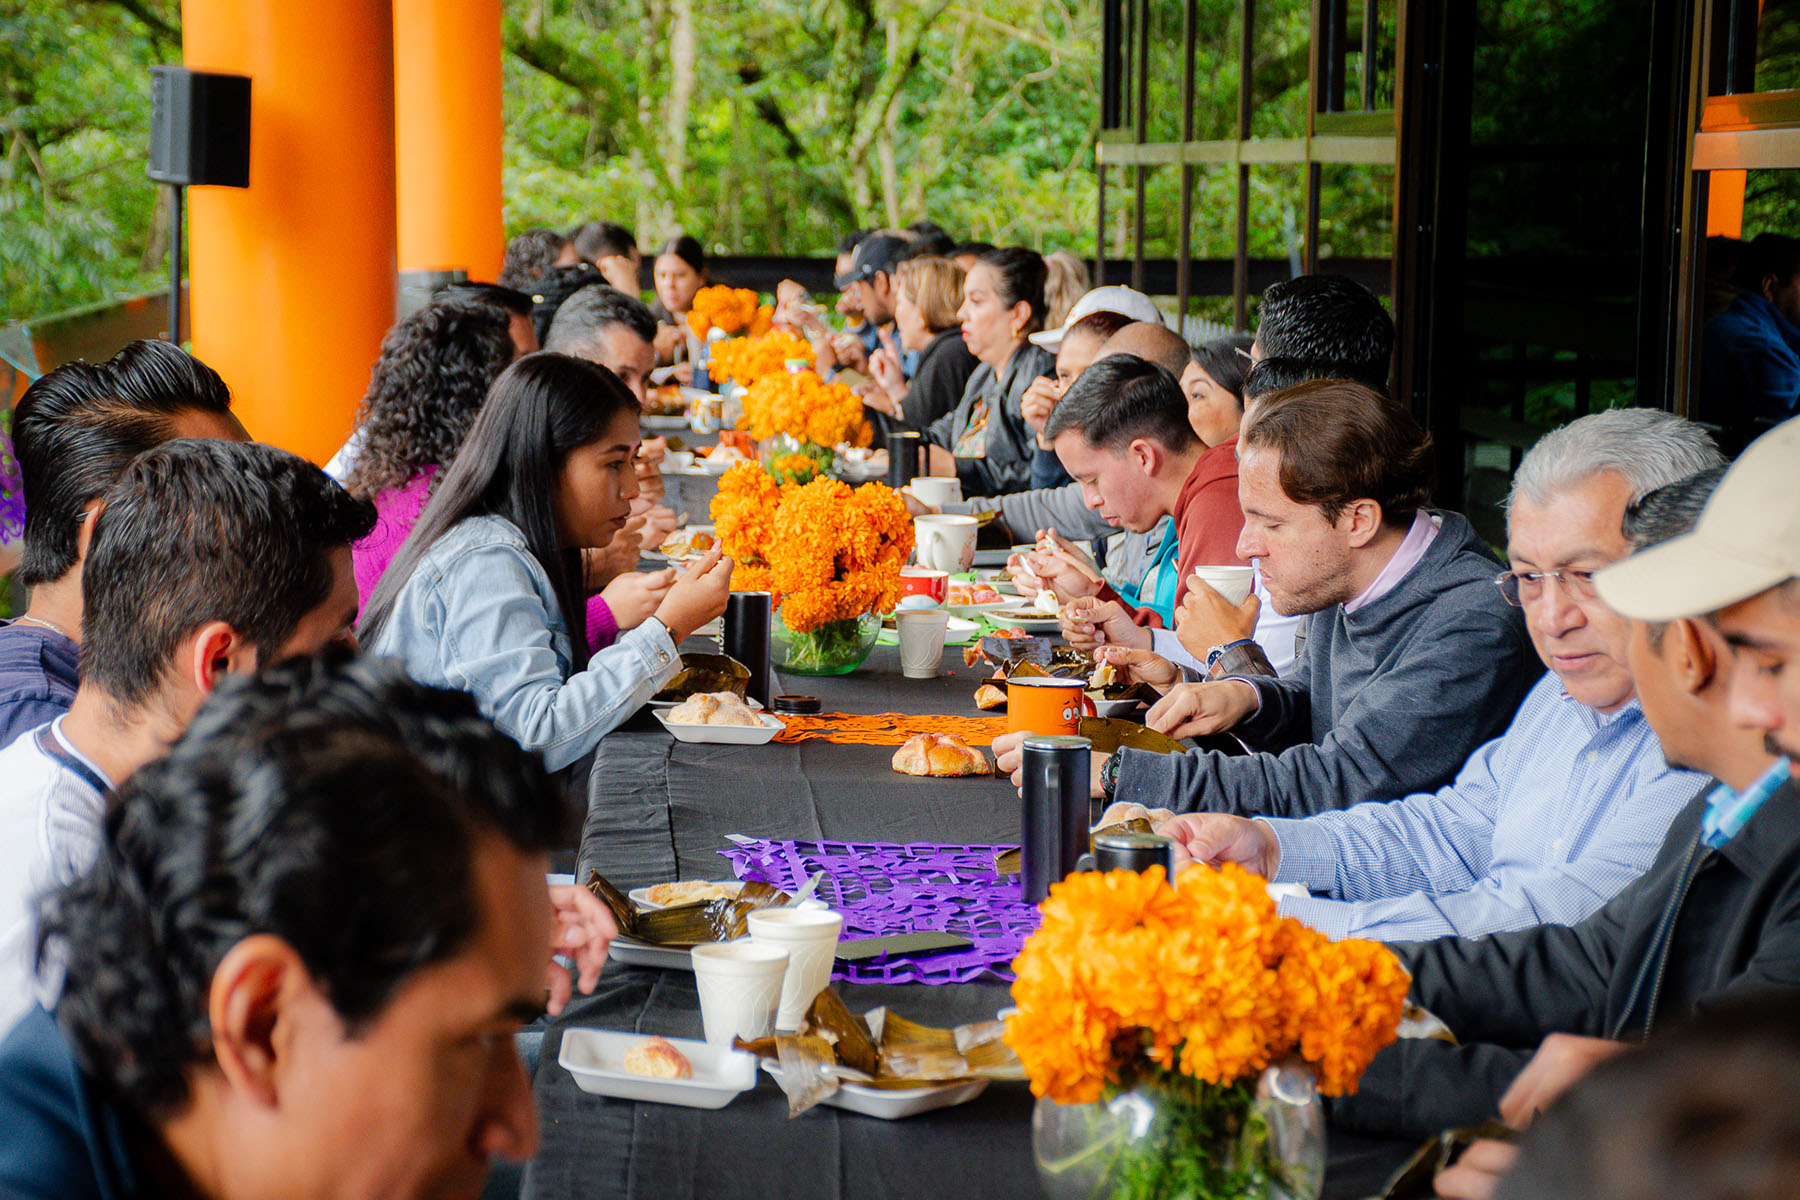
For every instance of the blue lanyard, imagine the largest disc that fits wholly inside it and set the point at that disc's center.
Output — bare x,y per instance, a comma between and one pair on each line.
49,745
1160,581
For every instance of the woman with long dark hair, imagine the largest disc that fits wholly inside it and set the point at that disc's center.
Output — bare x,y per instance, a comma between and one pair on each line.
679,273
985,441
487,595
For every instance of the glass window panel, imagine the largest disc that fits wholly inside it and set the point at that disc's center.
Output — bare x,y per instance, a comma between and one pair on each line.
1356,211
1279,85
1778,46
1370,85
1734,392
1216,25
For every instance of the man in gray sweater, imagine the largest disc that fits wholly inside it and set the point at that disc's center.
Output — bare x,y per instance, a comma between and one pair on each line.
1413,657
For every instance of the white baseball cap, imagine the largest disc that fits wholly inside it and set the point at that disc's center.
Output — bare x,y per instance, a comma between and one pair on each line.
1746,541
1127,302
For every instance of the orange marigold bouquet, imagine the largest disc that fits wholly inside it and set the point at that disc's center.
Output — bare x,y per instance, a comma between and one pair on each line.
806,408
831,553
1192,992
747,360
733,310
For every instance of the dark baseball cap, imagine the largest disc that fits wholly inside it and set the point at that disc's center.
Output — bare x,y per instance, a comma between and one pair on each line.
874,255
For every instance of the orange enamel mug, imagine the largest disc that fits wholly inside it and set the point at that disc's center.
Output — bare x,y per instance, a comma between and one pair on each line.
1040,705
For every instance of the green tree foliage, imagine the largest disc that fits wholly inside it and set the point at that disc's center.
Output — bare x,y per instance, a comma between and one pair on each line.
78,218
803,120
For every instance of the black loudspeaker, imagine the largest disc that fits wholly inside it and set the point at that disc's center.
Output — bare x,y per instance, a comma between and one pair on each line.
199,128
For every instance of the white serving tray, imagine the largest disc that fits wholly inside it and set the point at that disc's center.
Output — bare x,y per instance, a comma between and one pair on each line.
724,735
633,953
595,1057
894,1104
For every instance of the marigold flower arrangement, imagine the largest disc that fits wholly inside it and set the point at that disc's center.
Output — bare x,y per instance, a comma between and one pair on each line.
831,553
806,408
733,310
1194,989
747,360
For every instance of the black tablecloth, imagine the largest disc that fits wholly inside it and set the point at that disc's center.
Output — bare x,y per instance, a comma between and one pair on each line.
661,808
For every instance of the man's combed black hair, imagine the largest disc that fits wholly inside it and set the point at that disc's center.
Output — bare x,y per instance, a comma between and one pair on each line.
434,372
1327,319
582,318
1279,373
75,429
602,239
1122,398
335,805
511,299
198,531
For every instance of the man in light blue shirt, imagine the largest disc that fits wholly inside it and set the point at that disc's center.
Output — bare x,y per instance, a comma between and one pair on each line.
1549,821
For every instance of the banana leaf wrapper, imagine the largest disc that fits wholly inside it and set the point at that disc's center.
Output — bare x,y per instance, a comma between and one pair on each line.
718,920
1110,733
706,673
881,1050
1011,862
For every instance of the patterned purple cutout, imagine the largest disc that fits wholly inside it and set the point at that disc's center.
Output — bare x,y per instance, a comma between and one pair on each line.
884,888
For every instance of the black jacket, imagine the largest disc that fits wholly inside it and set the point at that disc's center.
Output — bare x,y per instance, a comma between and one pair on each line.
945,365
1698,927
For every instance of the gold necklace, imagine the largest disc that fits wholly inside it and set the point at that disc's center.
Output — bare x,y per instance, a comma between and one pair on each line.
50,625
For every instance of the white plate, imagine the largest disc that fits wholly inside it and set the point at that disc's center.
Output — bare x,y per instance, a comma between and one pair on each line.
654,422
1113,708
726,735
642,895
971,611
893,1104
634,953
595,1058
1028,619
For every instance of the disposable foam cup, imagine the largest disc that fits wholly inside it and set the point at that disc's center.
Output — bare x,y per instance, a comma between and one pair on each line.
740,988
1233,583
922,632
809,937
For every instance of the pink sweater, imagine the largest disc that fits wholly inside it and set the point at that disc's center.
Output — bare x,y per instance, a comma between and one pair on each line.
396,512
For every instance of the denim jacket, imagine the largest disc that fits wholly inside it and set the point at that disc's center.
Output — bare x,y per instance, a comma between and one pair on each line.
479,616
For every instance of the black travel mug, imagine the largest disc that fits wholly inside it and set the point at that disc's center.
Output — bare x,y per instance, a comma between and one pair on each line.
904,446
1134,852
746,638
1053,824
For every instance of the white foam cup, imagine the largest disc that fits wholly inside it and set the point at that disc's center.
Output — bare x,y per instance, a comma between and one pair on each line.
809,937
740,988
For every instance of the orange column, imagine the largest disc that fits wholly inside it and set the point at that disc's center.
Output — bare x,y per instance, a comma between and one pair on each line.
1725,203
292,280
447,135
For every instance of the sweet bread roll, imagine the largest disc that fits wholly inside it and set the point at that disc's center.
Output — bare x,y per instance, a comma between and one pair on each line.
713,708
658,1059
940,754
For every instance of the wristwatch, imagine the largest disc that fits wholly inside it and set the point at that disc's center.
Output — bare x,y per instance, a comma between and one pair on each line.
1217,652
1109,775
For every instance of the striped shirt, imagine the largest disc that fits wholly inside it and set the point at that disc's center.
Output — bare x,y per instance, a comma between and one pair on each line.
1542,826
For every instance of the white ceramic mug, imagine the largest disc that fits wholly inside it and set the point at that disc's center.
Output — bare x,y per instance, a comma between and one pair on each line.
809,937
1233,583
922,633
740,988
945,543
936,490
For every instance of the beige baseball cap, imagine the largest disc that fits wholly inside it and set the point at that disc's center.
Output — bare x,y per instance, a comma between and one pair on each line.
1746,541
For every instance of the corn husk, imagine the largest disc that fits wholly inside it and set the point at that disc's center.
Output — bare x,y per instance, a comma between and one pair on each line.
707,673
880,1049
718,920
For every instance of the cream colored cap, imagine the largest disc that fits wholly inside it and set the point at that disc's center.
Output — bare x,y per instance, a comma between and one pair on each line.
1746,541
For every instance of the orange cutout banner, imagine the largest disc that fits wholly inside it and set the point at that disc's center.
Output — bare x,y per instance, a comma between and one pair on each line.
887,729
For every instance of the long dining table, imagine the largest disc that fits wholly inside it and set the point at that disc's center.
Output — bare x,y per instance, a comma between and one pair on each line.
663,809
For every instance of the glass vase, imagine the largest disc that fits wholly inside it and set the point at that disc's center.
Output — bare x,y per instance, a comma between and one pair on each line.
834,648
1172,1136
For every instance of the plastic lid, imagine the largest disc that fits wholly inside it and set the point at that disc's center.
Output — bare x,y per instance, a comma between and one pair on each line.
797,704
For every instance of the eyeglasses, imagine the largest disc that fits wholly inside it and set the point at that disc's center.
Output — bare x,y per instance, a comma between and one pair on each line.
1525,587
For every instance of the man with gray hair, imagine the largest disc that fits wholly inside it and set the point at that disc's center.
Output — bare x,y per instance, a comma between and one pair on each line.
1547,822
603,325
